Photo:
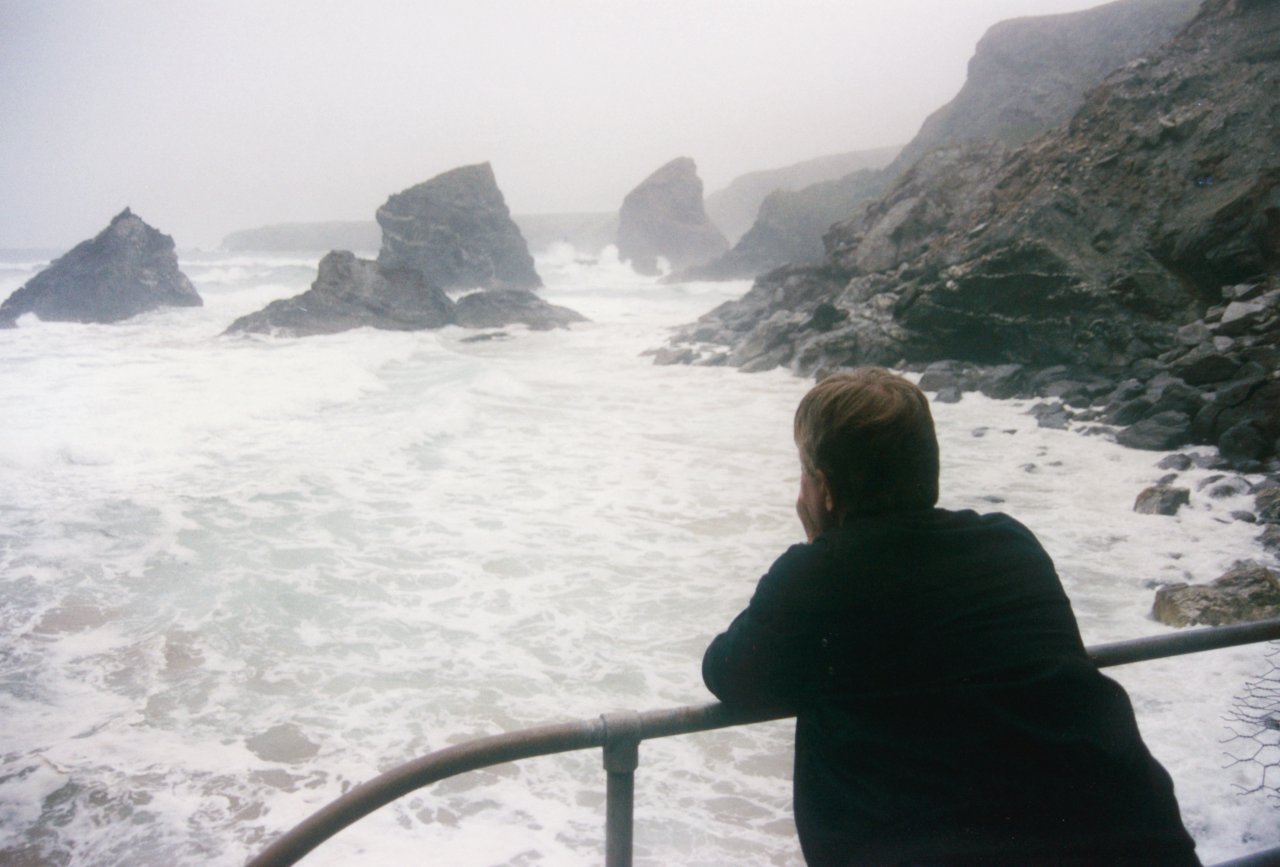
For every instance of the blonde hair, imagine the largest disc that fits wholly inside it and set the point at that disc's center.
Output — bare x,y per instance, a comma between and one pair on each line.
871,433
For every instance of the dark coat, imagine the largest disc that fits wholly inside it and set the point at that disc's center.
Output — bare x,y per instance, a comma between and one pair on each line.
946,709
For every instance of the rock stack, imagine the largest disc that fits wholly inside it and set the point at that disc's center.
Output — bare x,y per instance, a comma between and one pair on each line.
664,218
451,232
126,269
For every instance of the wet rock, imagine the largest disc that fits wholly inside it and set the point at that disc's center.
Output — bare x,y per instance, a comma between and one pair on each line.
1179,462
126,269
495,308
1270,538
1161,500
1160,432
1205,365
1243,442
349,292
1248,591
1051,415
457,231
1267,504
282,743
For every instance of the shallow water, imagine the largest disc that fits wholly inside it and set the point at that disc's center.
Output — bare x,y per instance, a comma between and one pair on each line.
240,575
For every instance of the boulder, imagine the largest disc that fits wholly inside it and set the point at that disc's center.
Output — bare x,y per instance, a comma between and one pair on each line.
126,269
1158,433
349,292
664,218
495,308
1161,500
456,230
1248,591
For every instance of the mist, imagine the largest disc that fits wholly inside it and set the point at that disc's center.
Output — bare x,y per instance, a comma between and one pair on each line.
210,118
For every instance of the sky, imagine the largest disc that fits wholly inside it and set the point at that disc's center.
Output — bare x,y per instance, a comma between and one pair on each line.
212,116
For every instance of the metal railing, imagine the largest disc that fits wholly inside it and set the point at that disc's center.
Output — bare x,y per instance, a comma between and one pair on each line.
619,735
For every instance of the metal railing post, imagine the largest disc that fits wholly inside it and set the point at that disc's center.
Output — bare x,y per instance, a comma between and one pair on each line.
621,757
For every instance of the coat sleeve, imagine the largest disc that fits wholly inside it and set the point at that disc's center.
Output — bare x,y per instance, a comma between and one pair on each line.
769,654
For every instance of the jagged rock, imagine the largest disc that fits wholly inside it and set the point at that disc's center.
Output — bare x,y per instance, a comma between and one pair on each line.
349,292
456,230
495,308
1161,500
1248,591
664,217
126,269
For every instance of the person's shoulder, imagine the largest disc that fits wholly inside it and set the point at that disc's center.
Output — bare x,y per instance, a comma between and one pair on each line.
970,519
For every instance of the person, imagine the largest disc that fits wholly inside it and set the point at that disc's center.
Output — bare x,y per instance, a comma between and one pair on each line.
946,710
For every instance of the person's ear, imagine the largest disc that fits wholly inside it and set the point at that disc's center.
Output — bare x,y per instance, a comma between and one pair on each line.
824,487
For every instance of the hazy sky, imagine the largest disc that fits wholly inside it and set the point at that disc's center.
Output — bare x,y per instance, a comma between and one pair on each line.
207,117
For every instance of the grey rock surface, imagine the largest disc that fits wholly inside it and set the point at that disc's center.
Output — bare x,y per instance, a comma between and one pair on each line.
457,231
350,292
1248,591
664,217
126,269
496,308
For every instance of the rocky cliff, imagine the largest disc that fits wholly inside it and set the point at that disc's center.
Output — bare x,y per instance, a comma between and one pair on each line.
127,269
1027,75
456,230
790,224
734,208
1103,246
664,217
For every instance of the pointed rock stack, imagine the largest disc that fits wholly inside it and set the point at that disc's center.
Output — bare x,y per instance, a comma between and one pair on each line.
127,269
664,218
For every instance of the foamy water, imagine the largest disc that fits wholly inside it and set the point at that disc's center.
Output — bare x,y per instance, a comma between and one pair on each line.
240,575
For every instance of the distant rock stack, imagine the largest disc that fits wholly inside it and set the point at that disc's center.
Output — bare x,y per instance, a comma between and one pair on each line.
664,217
456,230
127,269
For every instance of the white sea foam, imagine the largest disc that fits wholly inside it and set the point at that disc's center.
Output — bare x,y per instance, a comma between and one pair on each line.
241,574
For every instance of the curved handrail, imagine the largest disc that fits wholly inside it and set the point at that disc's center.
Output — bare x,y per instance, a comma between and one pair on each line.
632,727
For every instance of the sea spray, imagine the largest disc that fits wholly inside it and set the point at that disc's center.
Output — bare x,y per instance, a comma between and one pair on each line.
240,575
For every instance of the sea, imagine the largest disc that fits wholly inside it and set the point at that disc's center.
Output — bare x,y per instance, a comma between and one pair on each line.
240,575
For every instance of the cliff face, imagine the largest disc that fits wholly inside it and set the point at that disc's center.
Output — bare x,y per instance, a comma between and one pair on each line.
126,269
1027,75
1090,245
664,217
